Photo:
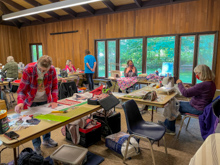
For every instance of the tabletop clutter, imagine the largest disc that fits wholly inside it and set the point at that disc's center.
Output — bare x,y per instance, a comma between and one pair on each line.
88,130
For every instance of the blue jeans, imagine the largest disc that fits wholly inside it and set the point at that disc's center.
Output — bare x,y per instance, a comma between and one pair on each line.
185,107
89,77
37,142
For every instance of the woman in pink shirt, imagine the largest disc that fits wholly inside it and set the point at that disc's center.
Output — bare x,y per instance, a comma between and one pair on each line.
69,66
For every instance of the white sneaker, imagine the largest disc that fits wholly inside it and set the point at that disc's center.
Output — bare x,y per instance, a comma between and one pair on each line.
50,143
38,150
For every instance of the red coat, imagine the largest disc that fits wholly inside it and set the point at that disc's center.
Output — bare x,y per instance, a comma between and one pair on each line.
28,86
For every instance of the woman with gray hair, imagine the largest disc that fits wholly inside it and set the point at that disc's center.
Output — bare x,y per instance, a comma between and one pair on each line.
202,95
11,67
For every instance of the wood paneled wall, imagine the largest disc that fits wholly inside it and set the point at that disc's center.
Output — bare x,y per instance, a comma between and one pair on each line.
10,44
194,16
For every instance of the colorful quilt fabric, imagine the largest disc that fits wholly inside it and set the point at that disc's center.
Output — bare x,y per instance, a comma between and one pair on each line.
126,82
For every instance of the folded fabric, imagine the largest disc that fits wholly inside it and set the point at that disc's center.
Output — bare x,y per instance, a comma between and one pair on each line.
97,91
126,82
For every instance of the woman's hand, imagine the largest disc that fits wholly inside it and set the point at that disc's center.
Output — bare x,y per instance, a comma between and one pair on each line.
133,70
19,107
128,69
178,81
53,105
187,86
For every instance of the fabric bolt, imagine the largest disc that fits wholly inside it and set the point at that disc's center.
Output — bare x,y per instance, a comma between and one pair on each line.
126,82
12,70
29,85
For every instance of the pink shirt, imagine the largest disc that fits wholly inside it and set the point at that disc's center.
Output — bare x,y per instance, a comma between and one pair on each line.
70,69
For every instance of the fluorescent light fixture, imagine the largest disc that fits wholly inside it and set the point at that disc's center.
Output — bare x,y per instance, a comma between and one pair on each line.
45,8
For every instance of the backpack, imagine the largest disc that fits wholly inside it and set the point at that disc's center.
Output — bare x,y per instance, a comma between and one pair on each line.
29,157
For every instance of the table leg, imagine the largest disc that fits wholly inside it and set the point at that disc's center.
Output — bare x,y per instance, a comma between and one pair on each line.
152,116
15,157
114,86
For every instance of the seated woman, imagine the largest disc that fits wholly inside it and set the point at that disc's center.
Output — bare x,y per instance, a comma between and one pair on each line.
131,70
202,95
69,66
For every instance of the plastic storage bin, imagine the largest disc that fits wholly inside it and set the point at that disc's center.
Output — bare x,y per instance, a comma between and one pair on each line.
69,155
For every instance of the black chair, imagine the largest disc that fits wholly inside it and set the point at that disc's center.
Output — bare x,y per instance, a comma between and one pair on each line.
139,128
216,111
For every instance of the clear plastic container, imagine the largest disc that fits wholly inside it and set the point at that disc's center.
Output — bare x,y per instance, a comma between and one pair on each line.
69,155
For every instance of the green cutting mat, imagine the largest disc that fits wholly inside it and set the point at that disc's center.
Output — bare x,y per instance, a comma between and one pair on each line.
53,117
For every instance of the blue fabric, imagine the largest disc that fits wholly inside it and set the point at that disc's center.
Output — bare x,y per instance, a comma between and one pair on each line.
208,121
37,142
90,59
185,107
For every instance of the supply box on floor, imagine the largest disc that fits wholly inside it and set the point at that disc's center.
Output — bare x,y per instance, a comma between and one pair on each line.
69,155
113,122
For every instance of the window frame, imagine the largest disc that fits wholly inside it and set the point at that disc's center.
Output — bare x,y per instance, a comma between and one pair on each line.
176,51
37,47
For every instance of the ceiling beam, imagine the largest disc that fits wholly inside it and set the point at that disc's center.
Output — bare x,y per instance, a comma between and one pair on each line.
35,4
109,4
5,10
19,7
118,9
67,10
138,2
89,9
70,12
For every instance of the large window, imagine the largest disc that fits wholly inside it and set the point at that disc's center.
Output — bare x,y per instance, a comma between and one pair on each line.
36,52
205,50
131,49
111,56
187,44
176,54
160,55
101,59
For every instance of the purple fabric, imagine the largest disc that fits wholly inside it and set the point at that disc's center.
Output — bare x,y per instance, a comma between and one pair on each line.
202,94
208,121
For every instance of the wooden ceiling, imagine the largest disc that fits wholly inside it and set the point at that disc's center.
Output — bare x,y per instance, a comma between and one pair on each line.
91,9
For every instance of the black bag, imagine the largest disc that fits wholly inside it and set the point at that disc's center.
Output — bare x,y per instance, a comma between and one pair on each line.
63,73
29,157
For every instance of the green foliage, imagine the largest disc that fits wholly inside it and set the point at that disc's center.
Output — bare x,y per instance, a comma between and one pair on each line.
159,50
